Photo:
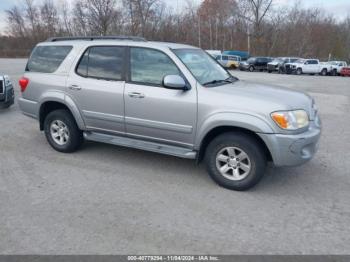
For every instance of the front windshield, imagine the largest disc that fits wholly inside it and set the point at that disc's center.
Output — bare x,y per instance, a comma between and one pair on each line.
206,70
277,60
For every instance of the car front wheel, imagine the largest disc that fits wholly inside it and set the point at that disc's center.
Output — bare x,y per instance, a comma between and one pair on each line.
235,161
62,132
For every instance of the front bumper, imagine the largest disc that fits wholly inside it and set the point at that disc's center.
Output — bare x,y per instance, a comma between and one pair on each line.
272,67
243,67
7,98
294,150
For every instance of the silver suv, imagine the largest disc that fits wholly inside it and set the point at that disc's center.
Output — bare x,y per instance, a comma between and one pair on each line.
167,98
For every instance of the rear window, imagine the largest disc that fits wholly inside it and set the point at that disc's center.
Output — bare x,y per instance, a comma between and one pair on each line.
102,62
47,59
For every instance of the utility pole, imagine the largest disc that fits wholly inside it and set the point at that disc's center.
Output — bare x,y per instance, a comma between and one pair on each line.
199,31
248,38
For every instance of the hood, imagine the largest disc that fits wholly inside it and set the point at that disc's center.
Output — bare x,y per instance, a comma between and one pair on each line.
273,63
261,99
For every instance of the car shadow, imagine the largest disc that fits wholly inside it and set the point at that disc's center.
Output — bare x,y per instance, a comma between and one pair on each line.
276,180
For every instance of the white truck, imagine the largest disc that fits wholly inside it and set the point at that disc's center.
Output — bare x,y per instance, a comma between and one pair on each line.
337,66
310,66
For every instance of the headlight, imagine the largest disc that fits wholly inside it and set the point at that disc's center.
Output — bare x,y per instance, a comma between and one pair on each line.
291,120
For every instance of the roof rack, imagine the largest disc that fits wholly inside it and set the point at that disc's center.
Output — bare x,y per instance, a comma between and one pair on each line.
93,38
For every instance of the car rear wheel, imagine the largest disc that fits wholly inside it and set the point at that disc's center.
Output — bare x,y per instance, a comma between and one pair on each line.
62,132
324,72
235,161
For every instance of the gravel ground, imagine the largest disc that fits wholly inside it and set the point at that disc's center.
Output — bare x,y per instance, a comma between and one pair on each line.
112,200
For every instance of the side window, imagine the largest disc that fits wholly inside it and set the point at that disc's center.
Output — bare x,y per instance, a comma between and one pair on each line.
47,59
102,62
150,66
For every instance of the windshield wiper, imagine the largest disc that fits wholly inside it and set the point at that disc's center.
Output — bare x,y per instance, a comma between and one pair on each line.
228,80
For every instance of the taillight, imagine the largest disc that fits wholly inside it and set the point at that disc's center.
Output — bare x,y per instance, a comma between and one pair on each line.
23,83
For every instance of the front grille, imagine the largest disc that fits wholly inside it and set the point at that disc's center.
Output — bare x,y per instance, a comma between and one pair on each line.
1,87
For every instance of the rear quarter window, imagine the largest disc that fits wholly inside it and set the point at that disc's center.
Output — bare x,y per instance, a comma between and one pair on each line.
47,59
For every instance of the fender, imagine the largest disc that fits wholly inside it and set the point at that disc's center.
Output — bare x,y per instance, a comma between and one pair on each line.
250,122
61,97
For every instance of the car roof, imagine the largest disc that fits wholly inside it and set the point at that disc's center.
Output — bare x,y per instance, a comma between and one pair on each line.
149,44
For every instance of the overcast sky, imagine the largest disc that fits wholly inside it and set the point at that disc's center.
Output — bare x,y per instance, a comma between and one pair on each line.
339,8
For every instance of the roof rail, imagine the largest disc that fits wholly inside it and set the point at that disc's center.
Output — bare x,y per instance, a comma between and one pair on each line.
92,38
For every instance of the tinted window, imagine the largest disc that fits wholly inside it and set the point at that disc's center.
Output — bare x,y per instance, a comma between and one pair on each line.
251,60
150,66
47,59
102,62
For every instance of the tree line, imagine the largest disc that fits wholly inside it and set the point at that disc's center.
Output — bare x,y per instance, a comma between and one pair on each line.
260,26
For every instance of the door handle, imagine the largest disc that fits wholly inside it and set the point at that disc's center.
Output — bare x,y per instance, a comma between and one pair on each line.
136,95
74,87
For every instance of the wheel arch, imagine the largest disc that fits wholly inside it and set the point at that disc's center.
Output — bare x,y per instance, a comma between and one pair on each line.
224,122
49,104
219,130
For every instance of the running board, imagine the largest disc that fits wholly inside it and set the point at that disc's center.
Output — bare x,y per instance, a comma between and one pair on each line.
139,144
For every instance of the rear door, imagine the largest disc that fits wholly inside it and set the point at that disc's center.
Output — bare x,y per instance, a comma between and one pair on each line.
97,87
307,67
225,61
315,67
152,111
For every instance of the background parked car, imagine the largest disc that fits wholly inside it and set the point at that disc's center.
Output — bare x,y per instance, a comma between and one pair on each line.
255,63
345,71
307,66
214,53
337,66
7,95
278,64
242,54
231,62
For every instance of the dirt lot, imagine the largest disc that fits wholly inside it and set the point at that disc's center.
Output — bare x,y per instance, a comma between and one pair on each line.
113,200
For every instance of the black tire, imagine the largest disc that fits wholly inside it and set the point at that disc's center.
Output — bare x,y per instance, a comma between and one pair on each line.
246,143
299,71
251,69
324,72
334,72
269,71
75,134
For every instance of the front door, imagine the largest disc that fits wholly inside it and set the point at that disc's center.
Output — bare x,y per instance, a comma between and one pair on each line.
97,87
152,111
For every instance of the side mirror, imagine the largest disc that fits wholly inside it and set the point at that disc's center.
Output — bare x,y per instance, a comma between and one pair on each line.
174,82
